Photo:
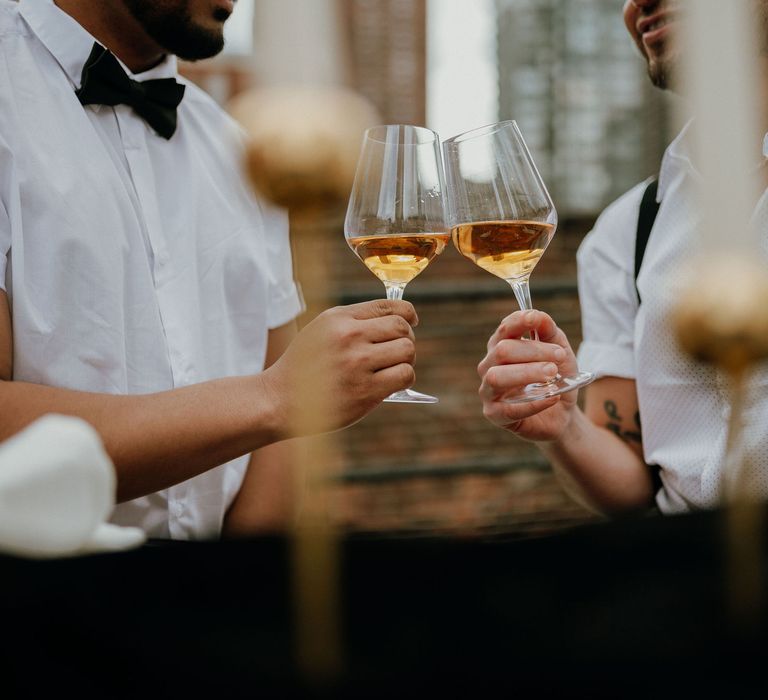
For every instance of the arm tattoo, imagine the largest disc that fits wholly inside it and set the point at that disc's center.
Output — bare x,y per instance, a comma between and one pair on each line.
614,424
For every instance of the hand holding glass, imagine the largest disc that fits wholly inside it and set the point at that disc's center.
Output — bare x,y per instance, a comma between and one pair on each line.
395,221
502,218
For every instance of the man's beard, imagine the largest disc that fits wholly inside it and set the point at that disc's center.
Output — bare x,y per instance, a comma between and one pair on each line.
662,73
175,30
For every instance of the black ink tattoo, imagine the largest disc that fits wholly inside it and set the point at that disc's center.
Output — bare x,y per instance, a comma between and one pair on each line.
612,410
614,424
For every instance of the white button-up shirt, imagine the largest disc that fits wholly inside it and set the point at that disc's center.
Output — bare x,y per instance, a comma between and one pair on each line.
683,404
133,264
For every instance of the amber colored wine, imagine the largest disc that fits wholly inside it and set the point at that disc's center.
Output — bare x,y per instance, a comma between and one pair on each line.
398,258
507,249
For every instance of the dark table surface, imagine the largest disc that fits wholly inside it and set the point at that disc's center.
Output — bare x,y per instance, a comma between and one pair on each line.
625,609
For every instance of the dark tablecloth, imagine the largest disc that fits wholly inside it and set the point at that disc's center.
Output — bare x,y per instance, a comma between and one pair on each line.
627,609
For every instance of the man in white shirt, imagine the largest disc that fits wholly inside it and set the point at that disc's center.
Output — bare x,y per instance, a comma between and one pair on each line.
601,453
142,287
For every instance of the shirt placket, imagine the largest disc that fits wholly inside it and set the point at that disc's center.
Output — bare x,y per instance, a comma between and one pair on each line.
134,139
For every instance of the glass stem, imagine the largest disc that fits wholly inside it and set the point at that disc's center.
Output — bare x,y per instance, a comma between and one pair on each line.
523,295
394,291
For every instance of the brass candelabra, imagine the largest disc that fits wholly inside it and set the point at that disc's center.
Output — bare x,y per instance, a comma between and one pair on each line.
303,145
725,323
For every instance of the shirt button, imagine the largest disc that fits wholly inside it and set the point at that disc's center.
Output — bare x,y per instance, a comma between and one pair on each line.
177,508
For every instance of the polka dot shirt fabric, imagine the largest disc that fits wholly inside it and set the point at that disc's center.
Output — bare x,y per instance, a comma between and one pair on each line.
684,406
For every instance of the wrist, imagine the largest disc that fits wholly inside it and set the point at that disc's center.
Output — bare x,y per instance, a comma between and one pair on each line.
271,415
573,431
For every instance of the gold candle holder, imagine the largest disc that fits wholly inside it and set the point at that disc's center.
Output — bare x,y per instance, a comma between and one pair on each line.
725,323
303,145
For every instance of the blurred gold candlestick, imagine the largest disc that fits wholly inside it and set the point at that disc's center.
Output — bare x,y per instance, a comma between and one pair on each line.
302,153
725,323
722,315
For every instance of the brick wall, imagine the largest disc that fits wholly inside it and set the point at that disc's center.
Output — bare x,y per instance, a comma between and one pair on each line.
443,468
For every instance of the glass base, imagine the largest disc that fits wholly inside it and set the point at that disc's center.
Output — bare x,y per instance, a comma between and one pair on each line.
408,396
559,385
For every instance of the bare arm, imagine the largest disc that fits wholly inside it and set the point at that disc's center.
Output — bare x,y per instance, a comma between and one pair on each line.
362,352
597,453
266,500
599,456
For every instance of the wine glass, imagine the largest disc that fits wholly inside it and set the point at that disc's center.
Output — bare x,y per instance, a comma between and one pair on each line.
502,218
395,220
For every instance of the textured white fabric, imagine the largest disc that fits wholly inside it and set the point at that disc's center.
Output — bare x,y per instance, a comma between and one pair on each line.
683,404
133,264
57,487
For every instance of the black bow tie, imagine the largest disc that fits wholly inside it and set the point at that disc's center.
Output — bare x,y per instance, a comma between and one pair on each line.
104,82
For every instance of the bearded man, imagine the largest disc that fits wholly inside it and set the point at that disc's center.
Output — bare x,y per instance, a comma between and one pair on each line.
142,288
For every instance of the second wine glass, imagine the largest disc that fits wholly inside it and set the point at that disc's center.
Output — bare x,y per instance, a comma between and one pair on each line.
395,220
502,219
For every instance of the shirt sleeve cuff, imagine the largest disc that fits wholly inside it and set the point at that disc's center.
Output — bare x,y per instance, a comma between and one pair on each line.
606,360
286,306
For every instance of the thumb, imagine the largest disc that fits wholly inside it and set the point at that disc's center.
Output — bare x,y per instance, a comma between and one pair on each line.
379,308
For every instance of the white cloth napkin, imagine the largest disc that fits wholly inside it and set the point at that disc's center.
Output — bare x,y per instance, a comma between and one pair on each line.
57,488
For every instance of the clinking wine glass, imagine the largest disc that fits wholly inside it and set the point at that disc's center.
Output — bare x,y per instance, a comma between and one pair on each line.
395,220
502,218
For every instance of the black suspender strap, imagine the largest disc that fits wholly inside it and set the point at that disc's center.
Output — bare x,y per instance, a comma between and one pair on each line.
649,207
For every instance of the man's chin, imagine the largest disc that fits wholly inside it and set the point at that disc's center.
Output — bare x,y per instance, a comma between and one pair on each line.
196,46
662,74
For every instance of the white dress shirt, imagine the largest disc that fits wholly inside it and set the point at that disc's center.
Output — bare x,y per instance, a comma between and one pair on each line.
683,404
133,264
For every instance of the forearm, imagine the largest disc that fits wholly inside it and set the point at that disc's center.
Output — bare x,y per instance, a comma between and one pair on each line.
594,463
157,440
268,498
355,354
599,469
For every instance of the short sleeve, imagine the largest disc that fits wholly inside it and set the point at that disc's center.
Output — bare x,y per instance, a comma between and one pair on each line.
284,296
607,294
6,180
285,300
5,244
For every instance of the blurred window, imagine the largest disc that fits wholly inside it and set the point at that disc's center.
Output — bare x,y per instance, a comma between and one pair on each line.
567,72
462,74
238,31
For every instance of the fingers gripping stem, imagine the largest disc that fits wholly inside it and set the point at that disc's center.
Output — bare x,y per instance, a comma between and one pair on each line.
523,295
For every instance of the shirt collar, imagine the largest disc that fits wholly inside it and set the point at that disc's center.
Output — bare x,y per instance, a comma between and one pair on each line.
70,43
678,155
